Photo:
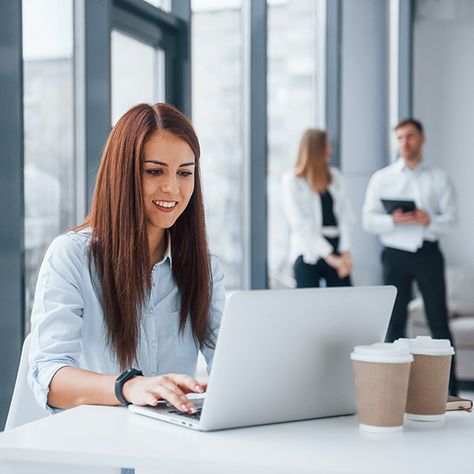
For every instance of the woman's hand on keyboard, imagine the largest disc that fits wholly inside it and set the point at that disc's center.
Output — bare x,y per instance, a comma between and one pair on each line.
170,387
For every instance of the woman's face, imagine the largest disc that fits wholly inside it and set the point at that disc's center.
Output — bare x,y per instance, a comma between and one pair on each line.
168,178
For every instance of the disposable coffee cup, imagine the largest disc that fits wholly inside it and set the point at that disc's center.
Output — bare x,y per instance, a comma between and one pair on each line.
381,374
429,378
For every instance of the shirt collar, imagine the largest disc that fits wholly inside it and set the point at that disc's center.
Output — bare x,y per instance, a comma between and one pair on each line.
401,166
167,254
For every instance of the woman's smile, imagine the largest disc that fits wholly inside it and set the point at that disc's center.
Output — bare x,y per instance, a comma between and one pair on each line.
165,206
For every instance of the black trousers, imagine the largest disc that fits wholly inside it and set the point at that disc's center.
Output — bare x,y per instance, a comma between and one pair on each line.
426,267
309,276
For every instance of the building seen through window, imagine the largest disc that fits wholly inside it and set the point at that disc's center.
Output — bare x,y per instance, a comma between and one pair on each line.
217,116
49,164
294,87
138,73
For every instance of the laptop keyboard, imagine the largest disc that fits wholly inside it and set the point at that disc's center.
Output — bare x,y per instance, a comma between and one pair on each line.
195,416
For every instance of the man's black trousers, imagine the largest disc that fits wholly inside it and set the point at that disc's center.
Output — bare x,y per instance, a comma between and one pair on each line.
426,267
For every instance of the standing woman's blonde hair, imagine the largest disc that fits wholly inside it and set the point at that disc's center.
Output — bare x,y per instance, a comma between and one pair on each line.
312,163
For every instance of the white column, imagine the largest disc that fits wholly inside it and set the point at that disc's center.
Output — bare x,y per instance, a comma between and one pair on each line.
364,117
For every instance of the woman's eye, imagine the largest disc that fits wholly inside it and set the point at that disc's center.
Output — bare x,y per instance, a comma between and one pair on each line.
184,173
154,172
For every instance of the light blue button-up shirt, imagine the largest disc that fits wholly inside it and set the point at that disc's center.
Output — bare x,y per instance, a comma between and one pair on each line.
68,326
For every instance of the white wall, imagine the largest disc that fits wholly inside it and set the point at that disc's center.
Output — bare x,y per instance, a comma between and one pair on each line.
444,102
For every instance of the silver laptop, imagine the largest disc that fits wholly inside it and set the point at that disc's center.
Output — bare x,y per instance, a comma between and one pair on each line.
284,355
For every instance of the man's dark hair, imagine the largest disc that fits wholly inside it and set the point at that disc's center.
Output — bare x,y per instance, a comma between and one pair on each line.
410,121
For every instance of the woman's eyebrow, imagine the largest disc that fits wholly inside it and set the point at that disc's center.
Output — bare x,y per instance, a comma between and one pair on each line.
191,163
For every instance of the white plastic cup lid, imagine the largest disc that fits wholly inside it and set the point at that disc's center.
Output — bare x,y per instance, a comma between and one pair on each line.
426,345
385,352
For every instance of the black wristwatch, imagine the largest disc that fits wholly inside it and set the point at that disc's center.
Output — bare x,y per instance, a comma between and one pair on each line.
120,382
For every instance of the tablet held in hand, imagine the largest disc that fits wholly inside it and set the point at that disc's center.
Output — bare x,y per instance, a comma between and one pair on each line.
406,205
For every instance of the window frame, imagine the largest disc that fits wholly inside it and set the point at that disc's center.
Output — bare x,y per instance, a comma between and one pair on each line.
12,276
167,31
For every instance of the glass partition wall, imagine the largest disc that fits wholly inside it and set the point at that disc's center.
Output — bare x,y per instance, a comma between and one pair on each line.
48,114
217,97
138,73
294,92
294,89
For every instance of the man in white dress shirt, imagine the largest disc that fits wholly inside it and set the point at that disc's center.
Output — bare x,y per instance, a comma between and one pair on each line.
410,239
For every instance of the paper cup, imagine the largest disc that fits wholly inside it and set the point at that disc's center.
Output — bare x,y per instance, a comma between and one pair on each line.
381,374
429,378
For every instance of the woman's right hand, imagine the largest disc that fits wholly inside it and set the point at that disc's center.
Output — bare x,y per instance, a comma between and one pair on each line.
339,264
141,390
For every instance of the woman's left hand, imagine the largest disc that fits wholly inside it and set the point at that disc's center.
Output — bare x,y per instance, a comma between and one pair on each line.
347,259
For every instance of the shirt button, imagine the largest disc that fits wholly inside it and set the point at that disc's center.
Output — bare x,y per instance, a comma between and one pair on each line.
153,374
153,343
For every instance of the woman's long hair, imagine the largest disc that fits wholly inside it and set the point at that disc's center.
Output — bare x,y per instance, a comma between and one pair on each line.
119,251
311,162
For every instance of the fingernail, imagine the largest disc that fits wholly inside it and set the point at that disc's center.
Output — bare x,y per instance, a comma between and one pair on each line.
188,408
198,388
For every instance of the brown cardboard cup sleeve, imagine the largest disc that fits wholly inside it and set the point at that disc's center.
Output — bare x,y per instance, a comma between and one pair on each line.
381,375
429,378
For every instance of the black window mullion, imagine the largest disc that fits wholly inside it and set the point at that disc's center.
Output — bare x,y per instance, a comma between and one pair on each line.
182,10
12,301
405,59
333,76
138,27
257,130
97,83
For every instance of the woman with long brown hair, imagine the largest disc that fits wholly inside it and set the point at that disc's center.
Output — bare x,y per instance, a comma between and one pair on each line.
125,301
319,215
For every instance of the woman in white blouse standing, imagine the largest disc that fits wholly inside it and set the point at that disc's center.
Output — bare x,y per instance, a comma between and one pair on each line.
319,215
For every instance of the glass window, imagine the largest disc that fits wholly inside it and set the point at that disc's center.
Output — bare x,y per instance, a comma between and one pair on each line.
217,116
49,164
138,73
293,90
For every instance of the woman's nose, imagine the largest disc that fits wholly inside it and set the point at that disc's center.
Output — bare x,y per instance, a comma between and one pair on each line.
169,186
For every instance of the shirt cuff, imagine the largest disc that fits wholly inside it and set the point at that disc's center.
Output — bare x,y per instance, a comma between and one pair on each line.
326,252
40,381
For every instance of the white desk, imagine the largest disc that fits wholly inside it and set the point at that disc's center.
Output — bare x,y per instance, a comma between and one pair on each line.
105,436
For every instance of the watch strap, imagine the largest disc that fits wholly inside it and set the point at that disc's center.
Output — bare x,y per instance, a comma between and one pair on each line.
120,382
